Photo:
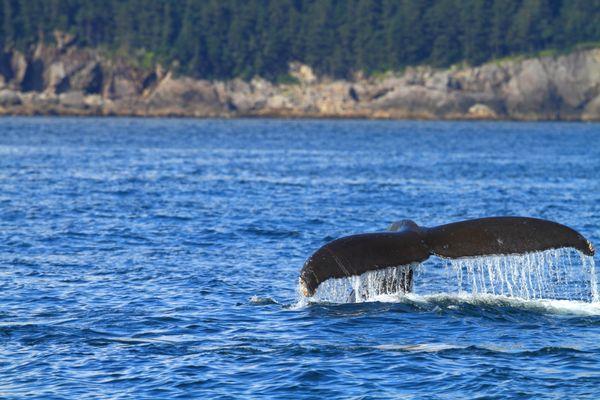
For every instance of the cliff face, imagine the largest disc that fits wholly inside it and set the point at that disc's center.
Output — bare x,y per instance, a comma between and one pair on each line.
68,80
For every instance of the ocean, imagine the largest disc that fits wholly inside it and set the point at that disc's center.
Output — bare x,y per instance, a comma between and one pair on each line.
159,258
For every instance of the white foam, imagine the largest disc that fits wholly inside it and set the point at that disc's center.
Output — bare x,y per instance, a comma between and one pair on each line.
419,348
544,306
262,300
455,302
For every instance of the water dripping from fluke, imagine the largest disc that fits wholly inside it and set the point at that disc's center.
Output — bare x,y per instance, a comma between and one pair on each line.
557,274
369,286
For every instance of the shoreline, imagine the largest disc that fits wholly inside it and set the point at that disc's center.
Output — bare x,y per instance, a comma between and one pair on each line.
288,118
77,81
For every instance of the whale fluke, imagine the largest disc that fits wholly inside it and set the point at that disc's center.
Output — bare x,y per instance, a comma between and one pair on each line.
406,243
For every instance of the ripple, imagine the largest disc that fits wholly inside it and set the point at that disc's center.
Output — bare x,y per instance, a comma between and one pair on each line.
159,259
262,300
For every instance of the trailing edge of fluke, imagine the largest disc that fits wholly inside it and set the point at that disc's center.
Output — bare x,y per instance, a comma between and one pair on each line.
406,243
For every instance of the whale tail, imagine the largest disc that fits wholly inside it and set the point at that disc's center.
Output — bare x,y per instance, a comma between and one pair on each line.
503,235
407,243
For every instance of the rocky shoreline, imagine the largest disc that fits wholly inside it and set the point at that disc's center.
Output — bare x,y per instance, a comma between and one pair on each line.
64,79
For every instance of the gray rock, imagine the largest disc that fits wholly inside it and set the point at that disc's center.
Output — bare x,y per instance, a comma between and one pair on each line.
178,96
576,78
482,111
57,79
529,92
66,78
75,100
18,65
9,98
89,79
592,110
123,87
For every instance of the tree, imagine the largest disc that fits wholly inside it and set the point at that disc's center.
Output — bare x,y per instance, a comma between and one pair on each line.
446,48
476,17
222,39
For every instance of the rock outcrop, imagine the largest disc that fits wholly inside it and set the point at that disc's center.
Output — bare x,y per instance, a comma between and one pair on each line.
69,80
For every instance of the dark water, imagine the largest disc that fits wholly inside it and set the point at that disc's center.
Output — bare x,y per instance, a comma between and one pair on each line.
159,259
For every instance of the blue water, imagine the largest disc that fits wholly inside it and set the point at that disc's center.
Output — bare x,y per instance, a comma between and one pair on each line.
159,259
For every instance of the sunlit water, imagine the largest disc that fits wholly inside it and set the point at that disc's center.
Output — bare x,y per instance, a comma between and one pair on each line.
160,258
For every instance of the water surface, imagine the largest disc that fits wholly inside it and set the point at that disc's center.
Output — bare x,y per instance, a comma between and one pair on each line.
159,258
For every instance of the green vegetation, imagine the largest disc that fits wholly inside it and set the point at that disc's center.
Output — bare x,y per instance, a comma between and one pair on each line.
243,38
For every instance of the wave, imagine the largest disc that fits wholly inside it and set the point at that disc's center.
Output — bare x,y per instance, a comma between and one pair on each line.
262,300
480,348
457,302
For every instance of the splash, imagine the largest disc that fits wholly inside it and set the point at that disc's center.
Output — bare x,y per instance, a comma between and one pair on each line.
559,274
365,287
551,274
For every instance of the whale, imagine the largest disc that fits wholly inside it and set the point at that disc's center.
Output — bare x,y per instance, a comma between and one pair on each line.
405,243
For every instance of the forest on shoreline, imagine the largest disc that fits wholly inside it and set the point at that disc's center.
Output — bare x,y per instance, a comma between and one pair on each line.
223,39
